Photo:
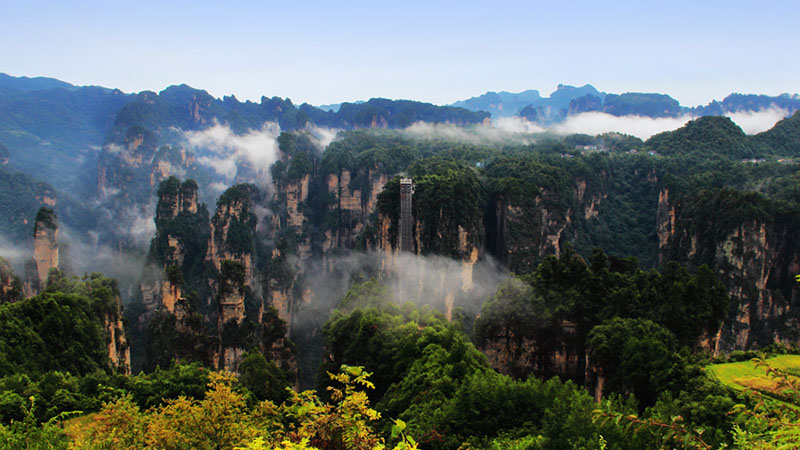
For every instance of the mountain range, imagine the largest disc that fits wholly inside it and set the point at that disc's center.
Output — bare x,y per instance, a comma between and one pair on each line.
237,227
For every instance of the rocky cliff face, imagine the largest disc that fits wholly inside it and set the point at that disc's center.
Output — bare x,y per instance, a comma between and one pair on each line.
231,313
520,358
243,313
45,244
354,206
130,169
749,242
231,240
296,193
665,220
119,166
203,280
118,348
524,230
163,279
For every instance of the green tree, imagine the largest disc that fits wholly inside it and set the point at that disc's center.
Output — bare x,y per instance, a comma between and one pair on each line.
263,378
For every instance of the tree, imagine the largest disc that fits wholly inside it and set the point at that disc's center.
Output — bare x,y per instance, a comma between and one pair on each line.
635,356
263,378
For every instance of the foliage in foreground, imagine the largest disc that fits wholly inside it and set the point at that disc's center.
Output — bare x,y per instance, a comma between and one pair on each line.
223,420
764,421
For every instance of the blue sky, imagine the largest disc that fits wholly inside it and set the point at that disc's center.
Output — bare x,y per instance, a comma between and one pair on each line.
326,52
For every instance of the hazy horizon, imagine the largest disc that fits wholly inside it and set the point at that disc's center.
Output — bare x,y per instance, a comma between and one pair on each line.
323,53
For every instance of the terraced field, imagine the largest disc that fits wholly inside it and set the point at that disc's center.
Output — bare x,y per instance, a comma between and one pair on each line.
746,375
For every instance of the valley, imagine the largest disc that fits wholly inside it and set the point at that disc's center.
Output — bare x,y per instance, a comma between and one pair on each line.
195,248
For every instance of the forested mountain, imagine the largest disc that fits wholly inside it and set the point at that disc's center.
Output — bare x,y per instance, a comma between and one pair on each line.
271,241
54,130
11,83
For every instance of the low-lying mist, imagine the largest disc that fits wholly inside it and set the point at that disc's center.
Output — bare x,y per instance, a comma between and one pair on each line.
81,254
224,151
439,282
593,123
15,254
521,131
245,158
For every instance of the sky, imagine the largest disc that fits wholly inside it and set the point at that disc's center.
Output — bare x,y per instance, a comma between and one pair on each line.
440,52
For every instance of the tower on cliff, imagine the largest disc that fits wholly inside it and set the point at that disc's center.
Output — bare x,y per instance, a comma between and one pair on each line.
406,216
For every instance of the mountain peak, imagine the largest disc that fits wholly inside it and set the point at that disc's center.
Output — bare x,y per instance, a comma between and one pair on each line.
26,84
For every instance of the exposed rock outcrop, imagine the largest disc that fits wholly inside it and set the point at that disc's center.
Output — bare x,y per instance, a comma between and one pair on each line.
231,313
665,219
754,251
176,212
202,278
118,348
233,229
45,243
522,357
296,193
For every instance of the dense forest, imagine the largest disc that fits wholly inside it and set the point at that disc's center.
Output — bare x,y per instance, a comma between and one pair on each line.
562,291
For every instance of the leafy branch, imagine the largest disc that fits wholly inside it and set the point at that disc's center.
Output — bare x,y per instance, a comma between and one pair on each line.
674,431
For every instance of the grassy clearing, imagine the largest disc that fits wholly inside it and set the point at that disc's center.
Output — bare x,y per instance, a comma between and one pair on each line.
76,426
745,375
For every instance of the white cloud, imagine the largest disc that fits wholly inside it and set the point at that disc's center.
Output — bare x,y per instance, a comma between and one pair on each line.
15,254
520,130
321,136
259,148
511,129
225,166
85,255
753,122
518,125
218,188
142,229
430,280
114,148
593,123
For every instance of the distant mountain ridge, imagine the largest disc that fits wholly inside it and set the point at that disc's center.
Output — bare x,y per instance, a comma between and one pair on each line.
501,104
568,100
52,128
516,202
31,84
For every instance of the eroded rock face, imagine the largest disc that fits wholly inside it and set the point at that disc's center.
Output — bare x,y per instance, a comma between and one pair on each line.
231,313
118,349
748,262
231,297
296,193
231,250
354,207
520,357
526,234
665,219
45,244
161,286
755,258
175,197
226,317
225,246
